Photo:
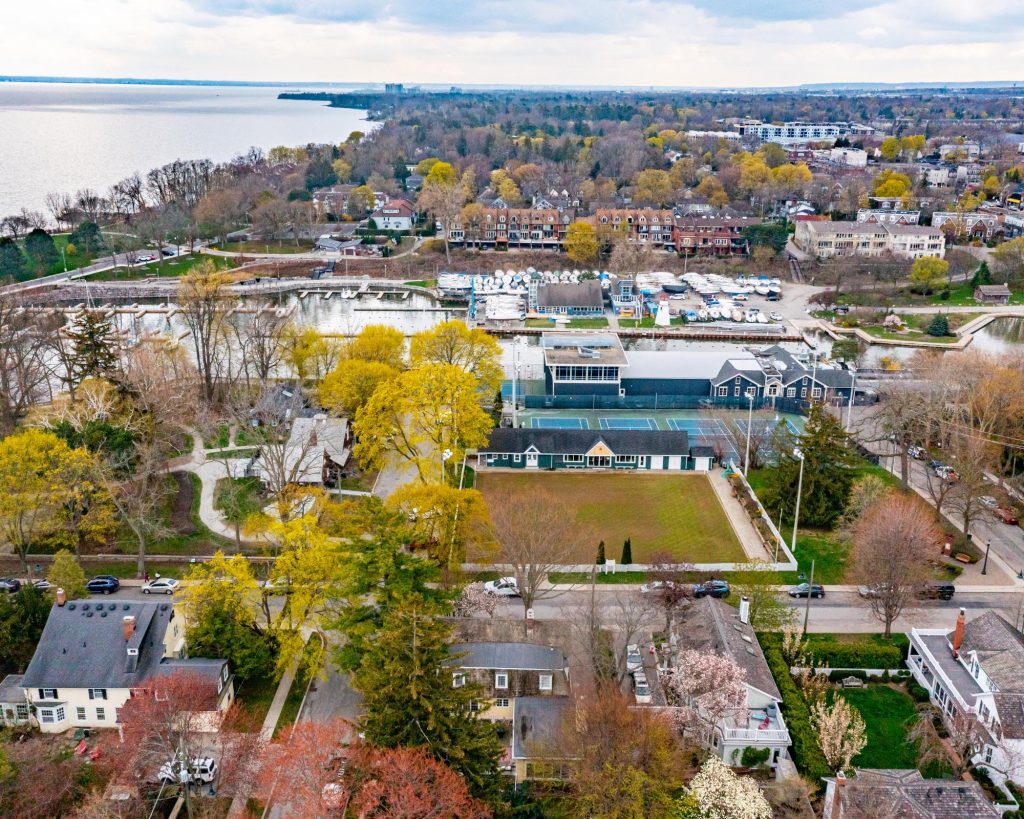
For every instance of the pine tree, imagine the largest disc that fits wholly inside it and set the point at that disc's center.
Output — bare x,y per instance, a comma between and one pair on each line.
407,681
627,551
939,326
982,275
12,262
600,554
94,346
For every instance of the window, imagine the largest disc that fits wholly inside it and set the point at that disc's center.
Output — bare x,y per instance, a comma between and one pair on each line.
736,391
501,680
723,390
458,680
790,392
751,392
47,693
803,392
22,709
101,714
80,713
517,458
625,459
97,693
474,706
59,713
545,682
573,459
46,715
816,392
501,702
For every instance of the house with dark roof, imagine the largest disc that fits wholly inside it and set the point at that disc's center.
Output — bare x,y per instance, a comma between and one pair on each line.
974,673
777,374
396,214
889,793
614,449
992,294
569,299
93,654
711,625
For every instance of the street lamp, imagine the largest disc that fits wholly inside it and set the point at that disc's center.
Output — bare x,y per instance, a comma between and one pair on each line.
799,488
444,459
984,567
750,420
849,408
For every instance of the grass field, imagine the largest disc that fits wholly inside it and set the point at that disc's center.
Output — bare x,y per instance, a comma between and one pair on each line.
678,514
888,715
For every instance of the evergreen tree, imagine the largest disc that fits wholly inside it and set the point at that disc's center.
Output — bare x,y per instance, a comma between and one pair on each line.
627,551
982,275
412,699
94,345
600,554
41,250
827,472
12,262
87,238
939,326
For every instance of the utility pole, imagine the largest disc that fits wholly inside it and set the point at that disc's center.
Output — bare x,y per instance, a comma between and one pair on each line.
799,489
810,590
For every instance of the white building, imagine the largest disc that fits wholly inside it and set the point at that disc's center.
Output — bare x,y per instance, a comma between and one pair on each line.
397,214
315,454
975,675
790,132
828,239
966,150
848,157
891,217
975,223
94,653
731,136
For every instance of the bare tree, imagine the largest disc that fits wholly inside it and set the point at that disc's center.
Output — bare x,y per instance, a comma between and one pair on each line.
669,584
603,629
201,298
259,337
535,537
893,542
762,426
61,209
24,374
972,456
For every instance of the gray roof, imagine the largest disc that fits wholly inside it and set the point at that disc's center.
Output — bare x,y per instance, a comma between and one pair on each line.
993,289
509,656
571,294
1000,650
536,723
679,364
581,441
711,624
583,349
10,688
202,666
905,794
940,649
83,645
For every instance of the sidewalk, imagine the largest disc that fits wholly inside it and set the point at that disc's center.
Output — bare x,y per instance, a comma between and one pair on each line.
749,539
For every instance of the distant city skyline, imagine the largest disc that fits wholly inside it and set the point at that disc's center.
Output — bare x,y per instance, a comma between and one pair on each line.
634,43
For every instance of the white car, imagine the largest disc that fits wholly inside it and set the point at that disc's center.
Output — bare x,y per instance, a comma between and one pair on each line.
641,688
634,660
502,587
146,257
988,502
162,585
203,769
775,316
42,585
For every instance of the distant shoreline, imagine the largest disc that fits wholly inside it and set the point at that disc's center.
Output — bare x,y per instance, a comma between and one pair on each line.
8,78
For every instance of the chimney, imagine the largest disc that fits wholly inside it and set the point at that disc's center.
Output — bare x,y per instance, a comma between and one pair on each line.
744,609
837,796
958,633
129,627
62,597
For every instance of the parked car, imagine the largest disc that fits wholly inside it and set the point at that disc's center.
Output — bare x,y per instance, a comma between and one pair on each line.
917,453
103,584
42,584
935,465
502,587
1006,515
641,688
9,584
874,590
202,769
988,502
711,588
162,585
947,473
169,251
937,590
634,660
806,589
658,586
146,257
775,316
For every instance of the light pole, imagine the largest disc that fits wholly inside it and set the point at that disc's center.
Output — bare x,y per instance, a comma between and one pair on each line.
984,567
799,488
810,591
849,408
750,420
515,379
444,459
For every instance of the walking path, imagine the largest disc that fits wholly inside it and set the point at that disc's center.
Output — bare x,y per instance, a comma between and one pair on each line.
749,539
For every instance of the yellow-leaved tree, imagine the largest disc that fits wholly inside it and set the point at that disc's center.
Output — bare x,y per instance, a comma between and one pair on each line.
448,522
453,342
380,343
347,388
310,353
581,243
39,474
427,417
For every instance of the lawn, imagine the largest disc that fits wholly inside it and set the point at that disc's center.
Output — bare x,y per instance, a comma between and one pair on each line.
163,267
888,714
266,247
595,323
647,323
678,514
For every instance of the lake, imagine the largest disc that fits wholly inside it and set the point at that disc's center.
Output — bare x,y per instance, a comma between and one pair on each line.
67,136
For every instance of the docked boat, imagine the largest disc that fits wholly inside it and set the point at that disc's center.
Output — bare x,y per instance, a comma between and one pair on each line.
737,315
761,289
762,318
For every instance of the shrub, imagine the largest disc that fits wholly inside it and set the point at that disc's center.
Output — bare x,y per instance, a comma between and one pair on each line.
862,651
840,675
917,692
752,757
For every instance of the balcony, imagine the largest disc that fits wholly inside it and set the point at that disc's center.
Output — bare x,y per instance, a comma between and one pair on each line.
774,733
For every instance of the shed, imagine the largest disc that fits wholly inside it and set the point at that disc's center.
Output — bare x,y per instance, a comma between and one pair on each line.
992,294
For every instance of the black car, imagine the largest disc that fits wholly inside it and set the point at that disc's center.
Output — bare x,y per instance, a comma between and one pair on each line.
103,584
9,584
804,589
711,588
937,590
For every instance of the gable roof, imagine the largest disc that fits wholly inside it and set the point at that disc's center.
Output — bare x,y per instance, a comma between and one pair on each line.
83,645
10,689
905,794
571,294
1000,650
580,441
712,624
993,289
509,656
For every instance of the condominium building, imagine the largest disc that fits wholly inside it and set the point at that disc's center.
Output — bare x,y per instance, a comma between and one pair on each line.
787,132
828,239
639,224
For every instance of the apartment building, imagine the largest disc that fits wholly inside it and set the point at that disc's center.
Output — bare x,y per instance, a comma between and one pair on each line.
893,217
828,239
712,236
514,227
788,132
639,224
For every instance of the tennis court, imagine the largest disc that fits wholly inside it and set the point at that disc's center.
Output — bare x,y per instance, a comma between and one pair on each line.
559,423
706,432
628,423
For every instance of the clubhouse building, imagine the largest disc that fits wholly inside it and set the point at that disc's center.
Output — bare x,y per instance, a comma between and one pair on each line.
612,449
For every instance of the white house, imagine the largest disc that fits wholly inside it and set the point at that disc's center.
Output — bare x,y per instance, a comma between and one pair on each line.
975,675
965,150
848,157
397,214
712,625
93,653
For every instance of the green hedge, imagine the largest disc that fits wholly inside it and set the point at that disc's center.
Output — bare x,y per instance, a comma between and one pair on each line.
858,651
806,753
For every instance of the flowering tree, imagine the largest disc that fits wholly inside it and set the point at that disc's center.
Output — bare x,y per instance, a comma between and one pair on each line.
474,599
718,793
841,731
408,783
705,686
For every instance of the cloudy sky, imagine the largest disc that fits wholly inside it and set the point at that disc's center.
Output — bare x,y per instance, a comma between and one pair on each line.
519,42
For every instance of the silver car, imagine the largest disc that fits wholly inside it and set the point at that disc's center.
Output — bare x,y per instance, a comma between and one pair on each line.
162,585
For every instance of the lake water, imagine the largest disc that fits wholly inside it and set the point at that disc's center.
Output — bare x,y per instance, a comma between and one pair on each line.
67,136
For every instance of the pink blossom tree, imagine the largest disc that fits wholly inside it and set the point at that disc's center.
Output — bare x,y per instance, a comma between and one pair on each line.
705,687
474,599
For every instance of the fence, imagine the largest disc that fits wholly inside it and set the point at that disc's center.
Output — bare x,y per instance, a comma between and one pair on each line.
661,402
789,563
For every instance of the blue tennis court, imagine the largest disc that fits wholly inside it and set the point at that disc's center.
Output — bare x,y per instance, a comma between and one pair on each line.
697,426
628,423
559,423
